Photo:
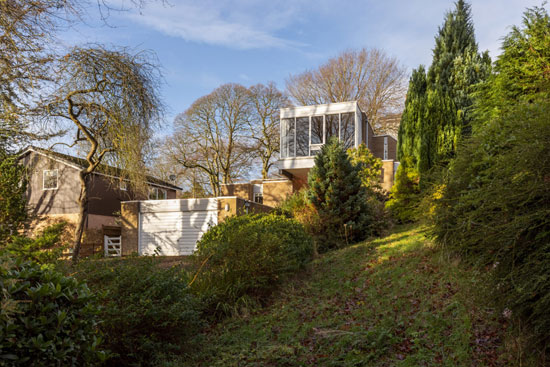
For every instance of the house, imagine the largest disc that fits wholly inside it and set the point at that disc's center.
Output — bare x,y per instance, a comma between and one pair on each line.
54,188
303,131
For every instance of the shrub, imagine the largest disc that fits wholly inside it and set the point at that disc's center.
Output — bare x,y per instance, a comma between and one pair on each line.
13,213
494,209
46,319
405,195
43,249
147,308
341,201
244,259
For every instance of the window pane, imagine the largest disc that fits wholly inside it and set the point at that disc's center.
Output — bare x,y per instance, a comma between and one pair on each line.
302,136
348,130
287,129
50,179
317,130
331,126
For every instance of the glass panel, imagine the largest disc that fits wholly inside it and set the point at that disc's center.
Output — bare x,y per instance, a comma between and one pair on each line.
348,130
317,130
287,140
302,136
331,126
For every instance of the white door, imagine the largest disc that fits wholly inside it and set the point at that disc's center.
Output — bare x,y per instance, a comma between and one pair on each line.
168,232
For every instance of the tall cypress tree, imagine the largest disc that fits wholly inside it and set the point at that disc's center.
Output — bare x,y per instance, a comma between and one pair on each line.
437,109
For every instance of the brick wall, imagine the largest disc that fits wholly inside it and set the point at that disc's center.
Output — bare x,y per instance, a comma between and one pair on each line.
129,227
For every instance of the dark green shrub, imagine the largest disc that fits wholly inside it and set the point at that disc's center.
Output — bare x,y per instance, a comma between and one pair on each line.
13,211
46,319
43,249
345,212
146,309
405,194
245,257
494,210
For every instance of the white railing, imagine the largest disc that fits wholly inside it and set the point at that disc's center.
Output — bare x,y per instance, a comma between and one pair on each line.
113,246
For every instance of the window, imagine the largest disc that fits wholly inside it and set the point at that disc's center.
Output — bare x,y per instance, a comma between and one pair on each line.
258,197
49,181
347,130
332,126
302,136
317,130
258,193
287,138
157,194
123,185
385,147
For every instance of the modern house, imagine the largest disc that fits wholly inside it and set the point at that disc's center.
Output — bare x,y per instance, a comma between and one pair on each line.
303,131
54,188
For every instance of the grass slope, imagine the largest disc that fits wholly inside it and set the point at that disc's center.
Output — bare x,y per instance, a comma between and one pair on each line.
394,301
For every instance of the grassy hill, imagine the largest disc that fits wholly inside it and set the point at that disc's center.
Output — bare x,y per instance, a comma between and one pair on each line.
395,301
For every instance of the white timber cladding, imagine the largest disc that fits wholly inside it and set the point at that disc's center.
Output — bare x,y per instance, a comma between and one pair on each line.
173,227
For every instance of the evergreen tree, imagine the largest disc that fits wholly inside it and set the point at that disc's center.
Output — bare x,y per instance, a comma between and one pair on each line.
456,68
336,192
13,185
408,144
438,105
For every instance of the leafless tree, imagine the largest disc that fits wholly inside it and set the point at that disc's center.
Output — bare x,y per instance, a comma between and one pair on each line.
212,136
110,98
265,103
369,76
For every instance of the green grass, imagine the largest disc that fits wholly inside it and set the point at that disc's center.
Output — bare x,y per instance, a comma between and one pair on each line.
395,301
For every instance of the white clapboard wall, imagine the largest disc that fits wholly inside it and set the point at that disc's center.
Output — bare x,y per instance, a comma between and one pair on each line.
173,227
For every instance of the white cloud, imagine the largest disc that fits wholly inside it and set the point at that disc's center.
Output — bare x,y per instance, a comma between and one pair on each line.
238,24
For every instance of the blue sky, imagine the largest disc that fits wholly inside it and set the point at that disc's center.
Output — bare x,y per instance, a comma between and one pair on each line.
202,44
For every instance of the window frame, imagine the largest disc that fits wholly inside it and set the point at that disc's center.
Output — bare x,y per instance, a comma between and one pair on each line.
56,179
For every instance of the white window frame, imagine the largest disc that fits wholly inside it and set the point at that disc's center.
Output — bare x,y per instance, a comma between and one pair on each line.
258,195
123,186
386,148
155,193
56,179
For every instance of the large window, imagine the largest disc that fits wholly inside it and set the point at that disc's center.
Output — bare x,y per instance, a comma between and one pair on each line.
347,130
287,138
302,136
331,127
49,179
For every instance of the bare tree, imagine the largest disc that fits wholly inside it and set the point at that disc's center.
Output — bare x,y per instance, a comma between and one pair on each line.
369,76
265,103
212,135
109,97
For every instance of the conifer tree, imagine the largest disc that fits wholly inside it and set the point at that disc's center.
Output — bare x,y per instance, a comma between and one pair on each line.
336,192
438,106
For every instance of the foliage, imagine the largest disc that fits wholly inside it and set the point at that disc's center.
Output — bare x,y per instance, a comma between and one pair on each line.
47,319
405,195
368,76
494,210
341,201
110,100
13,185
438,106
395,301
521,69
43,249
245,257
146,308
369,168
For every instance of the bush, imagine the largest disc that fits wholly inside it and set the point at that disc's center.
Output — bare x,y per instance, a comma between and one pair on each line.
43,249
494,209
405,195
13,211
46,319
343,204
245,257
147,308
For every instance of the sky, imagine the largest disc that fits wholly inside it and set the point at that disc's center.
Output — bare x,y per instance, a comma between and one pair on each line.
202,44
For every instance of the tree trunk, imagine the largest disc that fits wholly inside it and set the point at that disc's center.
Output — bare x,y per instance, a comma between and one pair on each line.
82,215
